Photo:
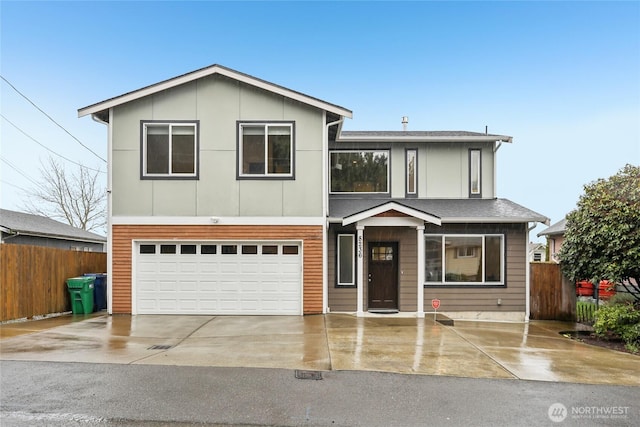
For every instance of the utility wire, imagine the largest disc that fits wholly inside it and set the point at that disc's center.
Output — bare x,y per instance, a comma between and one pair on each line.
13,185
14,167
47,148
50,118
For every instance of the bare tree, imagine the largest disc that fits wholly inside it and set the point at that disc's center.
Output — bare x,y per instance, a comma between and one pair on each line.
76,197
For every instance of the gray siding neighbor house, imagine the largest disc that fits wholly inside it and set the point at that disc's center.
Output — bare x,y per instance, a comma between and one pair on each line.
27,229
233,195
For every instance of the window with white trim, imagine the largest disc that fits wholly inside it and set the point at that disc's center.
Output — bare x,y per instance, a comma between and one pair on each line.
464,259
359,171
265,150
412,176
346,266
169,149
475,173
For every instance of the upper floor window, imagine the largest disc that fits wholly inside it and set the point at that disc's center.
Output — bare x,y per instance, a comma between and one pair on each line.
265,150
475,173
169,149
412,176
359,171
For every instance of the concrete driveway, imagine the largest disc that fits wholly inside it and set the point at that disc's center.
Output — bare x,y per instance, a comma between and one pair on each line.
533,351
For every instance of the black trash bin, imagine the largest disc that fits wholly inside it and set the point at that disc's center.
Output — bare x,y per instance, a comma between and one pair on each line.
99,290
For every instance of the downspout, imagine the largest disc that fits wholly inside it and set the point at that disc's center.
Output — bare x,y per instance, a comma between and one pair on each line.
325,210
527,310
109,210
495,168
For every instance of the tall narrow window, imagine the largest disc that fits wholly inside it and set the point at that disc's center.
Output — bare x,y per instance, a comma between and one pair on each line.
346,260
475,184
412,178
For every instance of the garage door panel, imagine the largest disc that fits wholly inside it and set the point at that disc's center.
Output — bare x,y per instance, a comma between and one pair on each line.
236,279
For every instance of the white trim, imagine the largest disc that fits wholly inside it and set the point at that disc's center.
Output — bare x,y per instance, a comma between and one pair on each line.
360,270
204,72
110,213
421,265
388,207
215,220
424,138
391,221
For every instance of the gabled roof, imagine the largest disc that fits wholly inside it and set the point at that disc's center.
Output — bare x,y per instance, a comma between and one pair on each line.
421,136
391,206
101,107
12,222
448,210
556,229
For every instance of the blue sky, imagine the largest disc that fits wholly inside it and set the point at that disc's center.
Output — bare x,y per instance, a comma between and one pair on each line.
562,78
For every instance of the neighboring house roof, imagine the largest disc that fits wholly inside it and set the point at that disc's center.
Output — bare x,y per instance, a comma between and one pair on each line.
20,223
420,136
101,108
448,210
556,229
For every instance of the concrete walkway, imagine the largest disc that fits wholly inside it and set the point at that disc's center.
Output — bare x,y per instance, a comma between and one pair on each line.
533,351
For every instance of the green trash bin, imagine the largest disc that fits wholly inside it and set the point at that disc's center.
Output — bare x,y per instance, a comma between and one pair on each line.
81,293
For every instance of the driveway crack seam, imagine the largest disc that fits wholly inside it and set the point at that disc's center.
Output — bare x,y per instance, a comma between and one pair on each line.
484,352
179,342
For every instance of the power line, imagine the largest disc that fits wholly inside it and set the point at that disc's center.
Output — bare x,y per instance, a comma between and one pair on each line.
13,185
47,148
51,118
14,167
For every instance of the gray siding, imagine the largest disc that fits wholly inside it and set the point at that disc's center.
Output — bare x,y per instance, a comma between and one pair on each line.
453,298
218,103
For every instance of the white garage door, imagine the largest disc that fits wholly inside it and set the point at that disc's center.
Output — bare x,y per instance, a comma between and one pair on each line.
218,278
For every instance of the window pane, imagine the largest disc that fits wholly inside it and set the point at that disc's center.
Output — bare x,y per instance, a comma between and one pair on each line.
346,259
279,149
411,172
208,249
289,250
474,170
270,250
183,149
157,148
147,249
229,249
167,249
253,149
359,172
249,249
493,258
433,258
187,249
463,259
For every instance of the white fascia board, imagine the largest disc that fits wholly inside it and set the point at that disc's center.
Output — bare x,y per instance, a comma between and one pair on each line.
491,220
390,138
391,206
215,220
204,72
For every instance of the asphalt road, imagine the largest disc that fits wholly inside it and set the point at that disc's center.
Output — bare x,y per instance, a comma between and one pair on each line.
84,394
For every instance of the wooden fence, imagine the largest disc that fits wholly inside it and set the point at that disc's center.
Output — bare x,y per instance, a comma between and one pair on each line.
33,278
553,296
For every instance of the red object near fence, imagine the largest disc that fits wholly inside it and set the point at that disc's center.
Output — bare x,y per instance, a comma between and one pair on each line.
584,288
606,289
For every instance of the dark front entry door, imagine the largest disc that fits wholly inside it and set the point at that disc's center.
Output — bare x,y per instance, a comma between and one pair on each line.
383,275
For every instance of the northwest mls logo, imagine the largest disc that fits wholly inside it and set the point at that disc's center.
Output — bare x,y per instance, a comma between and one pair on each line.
557,412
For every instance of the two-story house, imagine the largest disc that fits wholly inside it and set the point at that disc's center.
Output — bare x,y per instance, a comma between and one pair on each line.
229,194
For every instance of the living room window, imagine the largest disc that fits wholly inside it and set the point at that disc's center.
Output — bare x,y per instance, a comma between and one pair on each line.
464,259
169,149
266,150
359,171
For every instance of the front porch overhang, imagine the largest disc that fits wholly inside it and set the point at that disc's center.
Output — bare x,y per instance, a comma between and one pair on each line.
401,216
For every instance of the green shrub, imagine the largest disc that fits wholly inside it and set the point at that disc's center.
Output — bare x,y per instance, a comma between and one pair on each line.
621,321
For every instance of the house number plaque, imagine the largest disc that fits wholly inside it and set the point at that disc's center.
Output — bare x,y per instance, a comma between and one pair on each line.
359,246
